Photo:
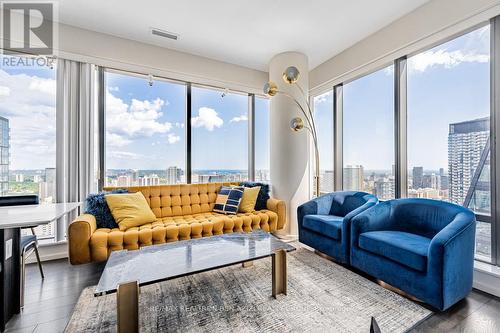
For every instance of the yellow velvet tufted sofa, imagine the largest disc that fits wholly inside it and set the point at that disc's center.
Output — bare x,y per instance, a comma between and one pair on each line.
182,211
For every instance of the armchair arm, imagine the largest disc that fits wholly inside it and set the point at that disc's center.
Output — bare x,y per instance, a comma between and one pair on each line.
360,209
377,217
451,257
79,233
318,206
279,207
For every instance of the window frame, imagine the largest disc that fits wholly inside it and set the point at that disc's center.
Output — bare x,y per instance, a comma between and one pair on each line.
401,126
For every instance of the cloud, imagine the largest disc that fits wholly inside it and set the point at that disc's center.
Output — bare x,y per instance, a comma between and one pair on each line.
139,119
173,138
323,98
46,86
113,88
448,59
28,102
124,155
116,140
179,125
4,91
207,118
243,117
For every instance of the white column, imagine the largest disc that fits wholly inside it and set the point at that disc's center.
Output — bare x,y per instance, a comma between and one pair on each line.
289,150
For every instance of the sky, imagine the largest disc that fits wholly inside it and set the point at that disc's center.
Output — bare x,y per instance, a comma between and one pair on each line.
446,84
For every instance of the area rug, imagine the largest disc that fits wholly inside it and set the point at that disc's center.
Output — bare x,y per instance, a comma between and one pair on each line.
322,297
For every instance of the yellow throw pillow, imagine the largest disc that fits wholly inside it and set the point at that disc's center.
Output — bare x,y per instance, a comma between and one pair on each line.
249,199
130,210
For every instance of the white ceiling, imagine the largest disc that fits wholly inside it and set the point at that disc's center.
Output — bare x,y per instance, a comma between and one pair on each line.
247,33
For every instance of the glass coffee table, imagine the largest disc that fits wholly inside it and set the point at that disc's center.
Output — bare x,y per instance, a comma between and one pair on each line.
126,271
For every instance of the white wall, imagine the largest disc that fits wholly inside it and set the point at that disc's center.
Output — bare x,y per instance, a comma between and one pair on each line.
427,25
116,52
119,53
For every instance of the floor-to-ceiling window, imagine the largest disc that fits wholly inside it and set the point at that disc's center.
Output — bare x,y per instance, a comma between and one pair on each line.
28,133
449,124
219,125
145,130
368,134
323,117
262,140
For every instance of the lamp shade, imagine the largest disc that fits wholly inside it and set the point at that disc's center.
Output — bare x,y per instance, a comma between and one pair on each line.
291,75
296,124
270,88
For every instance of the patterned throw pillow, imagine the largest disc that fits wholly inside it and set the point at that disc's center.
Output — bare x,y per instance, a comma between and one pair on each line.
96,205
228,199
263,194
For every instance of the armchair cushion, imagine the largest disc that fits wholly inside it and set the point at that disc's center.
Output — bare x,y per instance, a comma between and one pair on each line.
407,249
328,225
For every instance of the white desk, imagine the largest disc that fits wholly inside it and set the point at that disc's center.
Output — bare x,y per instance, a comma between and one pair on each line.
34,215
12,219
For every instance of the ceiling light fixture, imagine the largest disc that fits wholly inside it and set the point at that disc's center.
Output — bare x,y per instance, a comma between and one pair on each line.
164,33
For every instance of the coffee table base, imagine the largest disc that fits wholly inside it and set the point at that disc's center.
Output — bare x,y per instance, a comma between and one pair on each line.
127,307
127,296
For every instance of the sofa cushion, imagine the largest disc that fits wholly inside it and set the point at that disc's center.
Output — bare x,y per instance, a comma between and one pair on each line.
263,194
228,199
96,205
130,210
405,248
175,228
249,199
327,225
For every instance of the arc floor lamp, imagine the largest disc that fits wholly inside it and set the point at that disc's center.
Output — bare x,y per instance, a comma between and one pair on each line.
291,76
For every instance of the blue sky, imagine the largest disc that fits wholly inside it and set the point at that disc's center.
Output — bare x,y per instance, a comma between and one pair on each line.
146,126
447,84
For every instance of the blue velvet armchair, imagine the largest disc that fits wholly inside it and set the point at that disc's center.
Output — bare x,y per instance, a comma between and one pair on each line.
324,222
423,247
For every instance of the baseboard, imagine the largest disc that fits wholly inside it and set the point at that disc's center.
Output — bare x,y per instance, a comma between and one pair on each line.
50,252
487,278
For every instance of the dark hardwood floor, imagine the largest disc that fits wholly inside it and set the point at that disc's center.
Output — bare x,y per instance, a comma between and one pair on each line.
49,303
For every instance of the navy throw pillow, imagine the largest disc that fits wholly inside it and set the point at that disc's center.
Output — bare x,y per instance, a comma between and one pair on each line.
263,194
96,205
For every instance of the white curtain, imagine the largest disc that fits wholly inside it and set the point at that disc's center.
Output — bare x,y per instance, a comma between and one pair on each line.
76,143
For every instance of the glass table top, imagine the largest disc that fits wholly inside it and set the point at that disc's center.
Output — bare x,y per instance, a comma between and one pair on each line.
155,263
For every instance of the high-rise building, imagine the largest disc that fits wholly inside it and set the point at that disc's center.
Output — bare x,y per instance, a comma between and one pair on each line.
326,181
4,155
466,143
384,188
417,177
149,180
353,177
123,181
174,175
135,177
47,188
430,181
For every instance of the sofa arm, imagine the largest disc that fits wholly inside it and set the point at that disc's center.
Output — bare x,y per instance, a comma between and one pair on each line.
79,233
279,207
451,258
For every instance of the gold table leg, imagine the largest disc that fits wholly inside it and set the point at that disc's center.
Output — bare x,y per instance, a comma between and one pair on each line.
279,272
247,264
127,307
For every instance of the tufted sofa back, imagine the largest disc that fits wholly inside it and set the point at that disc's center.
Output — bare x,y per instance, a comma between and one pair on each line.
180,199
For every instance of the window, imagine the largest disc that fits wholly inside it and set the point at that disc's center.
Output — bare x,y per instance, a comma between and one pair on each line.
368,144
448,126
145,131
323,117
262,140
219,123
28,134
